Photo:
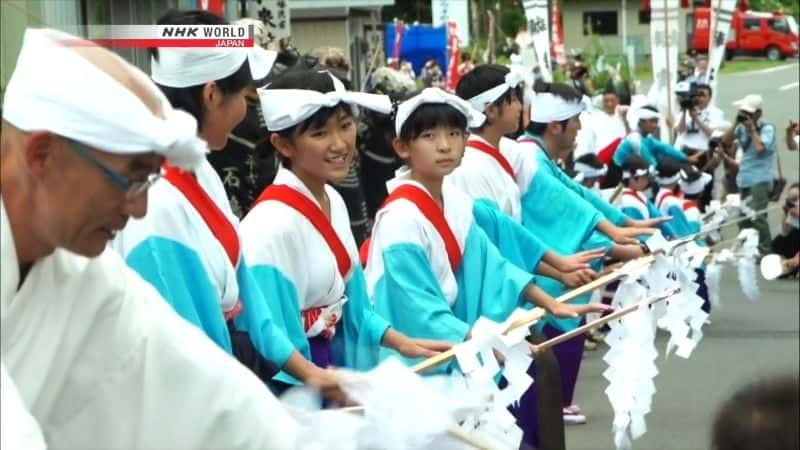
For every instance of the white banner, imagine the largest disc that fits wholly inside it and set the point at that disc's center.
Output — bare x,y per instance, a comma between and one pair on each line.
275,14
664,35
537,14
444,11
721,15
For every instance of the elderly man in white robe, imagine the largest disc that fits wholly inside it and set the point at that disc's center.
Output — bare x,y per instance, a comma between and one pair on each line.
92,357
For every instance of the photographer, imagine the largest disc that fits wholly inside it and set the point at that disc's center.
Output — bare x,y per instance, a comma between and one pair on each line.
756,138
697,121
787,242
793,136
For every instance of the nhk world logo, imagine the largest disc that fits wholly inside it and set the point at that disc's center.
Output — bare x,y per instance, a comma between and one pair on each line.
185,36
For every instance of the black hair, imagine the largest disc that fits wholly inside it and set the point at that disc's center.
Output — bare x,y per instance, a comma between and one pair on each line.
561,90
707,87
299,77
591,160
633,163
762,415
310,80
691,172
668,167
484,77
431,115
610,89
190,99
572,173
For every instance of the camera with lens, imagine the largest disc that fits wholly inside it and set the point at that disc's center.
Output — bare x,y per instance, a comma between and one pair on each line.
714,144
687,95
742,116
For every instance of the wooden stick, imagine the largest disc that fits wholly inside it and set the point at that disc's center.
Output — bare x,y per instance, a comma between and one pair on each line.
604,320
537,313
669,74
615,194
454,431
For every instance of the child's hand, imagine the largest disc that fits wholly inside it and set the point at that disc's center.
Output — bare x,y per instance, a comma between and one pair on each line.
580,261
564,310
578,277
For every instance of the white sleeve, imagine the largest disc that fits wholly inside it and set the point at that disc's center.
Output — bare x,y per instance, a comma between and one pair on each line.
158,382
20,429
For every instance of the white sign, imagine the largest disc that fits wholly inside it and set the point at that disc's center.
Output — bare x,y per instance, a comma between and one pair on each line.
275,14
721,15
664,36
456,10
537,15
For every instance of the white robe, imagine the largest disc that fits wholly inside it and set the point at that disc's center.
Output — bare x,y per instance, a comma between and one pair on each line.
481,176
100,360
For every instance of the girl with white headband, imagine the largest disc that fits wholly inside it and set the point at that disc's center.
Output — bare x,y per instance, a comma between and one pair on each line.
669,198
636,176
298,236
593,170
431,269
188,245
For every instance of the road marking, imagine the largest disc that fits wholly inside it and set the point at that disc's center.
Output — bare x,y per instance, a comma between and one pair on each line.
767,70
788,86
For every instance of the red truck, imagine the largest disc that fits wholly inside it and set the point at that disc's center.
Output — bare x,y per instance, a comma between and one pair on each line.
773,35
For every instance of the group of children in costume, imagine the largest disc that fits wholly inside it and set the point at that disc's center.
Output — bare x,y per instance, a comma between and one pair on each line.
474,225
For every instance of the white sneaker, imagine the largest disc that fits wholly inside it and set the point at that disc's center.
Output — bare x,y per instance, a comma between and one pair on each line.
571,417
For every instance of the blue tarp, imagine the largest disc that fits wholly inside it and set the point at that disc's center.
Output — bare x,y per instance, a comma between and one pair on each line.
420,43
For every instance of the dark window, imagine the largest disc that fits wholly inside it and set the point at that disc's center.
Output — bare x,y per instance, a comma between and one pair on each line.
779,25
644,16
600,22
752,24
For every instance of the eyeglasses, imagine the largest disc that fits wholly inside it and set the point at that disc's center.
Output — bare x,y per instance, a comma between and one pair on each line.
131,188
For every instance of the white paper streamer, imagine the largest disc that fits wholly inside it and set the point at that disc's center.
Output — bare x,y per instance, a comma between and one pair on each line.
631,369
713,277
746,269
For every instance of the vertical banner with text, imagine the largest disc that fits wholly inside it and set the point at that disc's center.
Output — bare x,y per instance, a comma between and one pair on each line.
537,14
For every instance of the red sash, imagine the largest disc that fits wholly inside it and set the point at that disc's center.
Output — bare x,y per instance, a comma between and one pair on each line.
494,153
314,214
215,219
302,204
431,210
634,194
689,204
664,197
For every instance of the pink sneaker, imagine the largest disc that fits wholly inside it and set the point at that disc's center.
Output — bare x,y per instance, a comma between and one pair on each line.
573,416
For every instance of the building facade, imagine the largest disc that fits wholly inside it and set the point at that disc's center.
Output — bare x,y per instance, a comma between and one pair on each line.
353,25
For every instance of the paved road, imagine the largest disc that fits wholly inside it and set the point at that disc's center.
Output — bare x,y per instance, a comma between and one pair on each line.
746,340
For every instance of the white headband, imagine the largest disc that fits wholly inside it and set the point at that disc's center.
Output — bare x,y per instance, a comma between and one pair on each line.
646,114
589,171
578,177
474,117
184,67
284,108
86,104
484,99
547,108
696,186
527,82
666,181
638,173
